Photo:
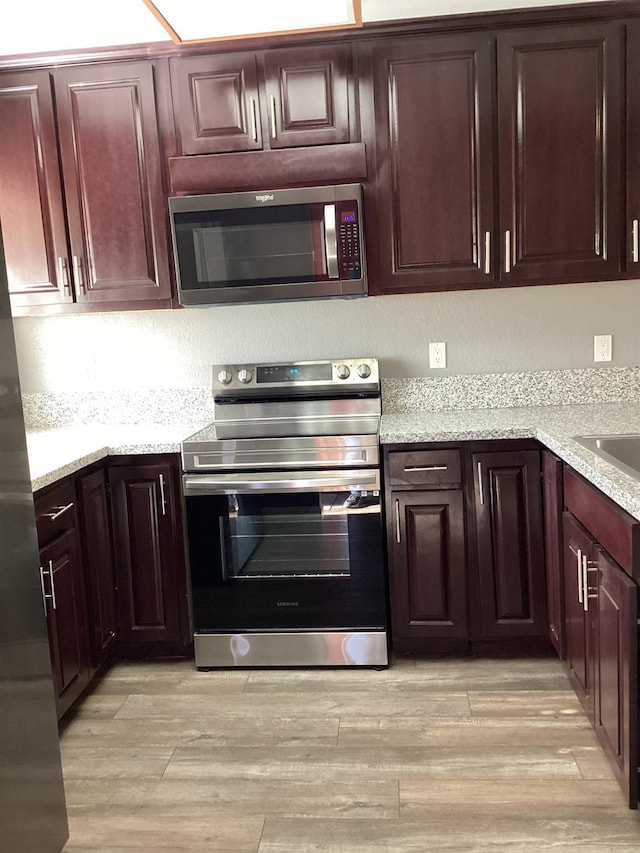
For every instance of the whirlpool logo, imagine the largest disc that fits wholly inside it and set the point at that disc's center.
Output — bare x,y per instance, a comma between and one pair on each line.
287,604
265,197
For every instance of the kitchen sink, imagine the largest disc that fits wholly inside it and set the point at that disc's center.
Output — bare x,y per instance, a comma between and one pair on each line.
623,451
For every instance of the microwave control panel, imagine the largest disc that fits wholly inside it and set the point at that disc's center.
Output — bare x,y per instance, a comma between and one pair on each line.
349,240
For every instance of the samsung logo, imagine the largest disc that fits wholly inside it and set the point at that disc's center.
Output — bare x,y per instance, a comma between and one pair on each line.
264,197
287,603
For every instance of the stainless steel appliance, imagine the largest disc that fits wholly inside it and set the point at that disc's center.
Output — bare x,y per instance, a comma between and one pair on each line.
269,245
284,517
32,805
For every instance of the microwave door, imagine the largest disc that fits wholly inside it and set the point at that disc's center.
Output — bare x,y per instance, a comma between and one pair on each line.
331,240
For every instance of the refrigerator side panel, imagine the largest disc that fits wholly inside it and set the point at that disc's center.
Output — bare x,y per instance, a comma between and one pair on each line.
32,804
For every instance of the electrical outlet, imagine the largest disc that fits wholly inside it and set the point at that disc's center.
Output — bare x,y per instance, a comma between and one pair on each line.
437,355
602,347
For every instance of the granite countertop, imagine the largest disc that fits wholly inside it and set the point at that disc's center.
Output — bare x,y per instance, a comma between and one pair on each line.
56,453
554,426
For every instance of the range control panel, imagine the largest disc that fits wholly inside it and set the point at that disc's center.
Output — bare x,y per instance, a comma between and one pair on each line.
349,240
296,375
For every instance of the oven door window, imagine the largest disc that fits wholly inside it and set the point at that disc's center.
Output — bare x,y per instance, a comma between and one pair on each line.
236,248
292,560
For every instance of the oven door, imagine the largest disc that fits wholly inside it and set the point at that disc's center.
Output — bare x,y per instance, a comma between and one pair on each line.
286,551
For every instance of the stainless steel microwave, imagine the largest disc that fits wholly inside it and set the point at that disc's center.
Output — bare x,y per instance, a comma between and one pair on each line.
269,245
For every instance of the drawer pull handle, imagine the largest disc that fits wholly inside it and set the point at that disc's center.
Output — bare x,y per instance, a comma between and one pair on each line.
480,484
274,126
635,242
44,594
78,269
58,511
162,495
254,121
53,584
49,572
426,468
63,274
397,509
507,251
580,579
487,252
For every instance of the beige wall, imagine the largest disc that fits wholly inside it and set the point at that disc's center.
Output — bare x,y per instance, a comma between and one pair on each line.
515,329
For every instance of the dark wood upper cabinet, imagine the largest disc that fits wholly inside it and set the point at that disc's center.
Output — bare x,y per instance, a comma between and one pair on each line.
542,136
111,168
430,223
560,119
32,212
277,99
216,103
307,95
632,224
508,515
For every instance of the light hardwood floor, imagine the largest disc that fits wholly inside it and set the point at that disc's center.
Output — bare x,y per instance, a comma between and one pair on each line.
458,755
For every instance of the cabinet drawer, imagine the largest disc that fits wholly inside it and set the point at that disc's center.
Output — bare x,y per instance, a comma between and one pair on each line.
616,530
424,467
55,511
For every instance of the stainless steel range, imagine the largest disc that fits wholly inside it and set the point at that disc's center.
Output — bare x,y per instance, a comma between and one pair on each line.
284,517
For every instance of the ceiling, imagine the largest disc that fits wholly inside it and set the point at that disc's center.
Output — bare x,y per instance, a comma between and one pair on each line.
39,26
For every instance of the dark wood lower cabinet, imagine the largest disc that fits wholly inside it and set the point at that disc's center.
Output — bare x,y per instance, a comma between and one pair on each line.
97,554
602,621
465,546
579,620
149,559
64,592
616,672
553,503
427,566
510,549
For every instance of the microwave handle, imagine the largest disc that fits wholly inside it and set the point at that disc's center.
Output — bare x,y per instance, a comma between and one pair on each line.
331,240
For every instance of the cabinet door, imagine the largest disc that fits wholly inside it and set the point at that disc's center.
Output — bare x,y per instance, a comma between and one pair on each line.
149,559
31,205
508,512
215,103
559,148
633,150
616,672
66,608
579,620
95,535
552,503
427,565
307,95
116,208
433,213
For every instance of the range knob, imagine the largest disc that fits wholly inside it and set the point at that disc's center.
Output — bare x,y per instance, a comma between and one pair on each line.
342,371
364,371
245,376
224,377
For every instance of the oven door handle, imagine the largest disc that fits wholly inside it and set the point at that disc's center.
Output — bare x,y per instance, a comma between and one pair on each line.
203,484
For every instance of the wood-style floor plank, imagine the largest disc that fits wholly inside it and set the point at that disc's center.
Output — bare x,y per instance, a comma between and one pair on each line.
427,756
